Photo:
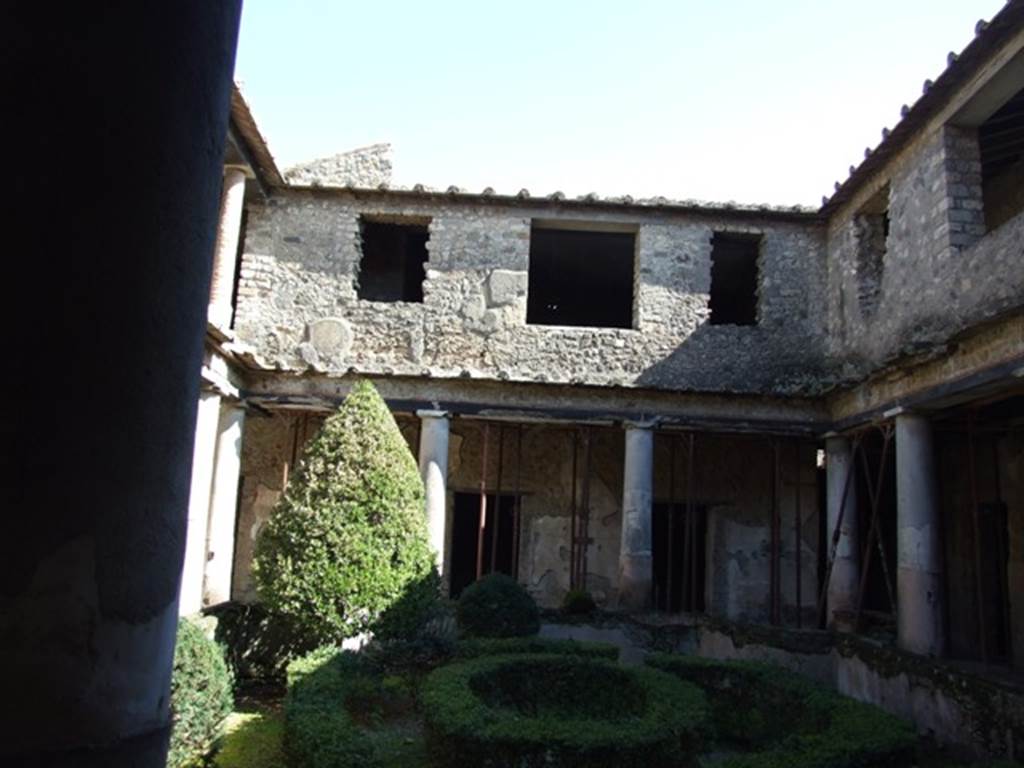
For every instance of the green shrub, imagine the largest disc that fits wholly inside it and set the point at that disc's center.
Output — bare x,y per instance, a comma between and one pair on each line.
201,694
347,543
259,643
318,730
550,710
789,722
497,606
475,647
578,602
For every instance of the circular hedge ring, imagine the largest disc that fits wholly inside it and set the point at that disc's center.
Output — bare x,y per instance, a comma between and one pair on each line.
547,710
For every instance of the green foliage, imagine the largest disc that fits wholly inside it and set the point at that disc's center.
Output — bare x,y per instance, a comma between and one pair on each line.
472,648
201,694
789,722
560,710
251,740
578,602
497,606
258,642
319,732
347,543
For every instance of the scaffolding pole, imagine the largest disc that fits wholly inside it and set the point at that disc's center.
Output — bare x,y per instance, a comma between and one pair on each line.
496,524
976,524
518,509
482,523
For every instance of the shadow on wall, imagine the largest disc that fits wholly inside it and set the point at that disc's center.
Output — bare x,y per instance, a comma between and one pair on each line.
744,359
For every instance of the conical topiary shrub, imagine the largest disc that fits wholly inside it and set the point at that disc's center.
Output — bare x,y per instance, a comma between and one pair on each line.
348,539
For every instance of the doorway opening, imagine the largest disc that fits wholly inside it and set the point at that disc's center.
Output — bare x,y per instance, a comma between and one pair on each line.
679,557
498,552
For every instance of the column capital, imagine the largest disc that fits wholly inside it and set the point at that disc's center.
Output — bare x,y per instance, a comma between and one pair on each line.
426,413
639,423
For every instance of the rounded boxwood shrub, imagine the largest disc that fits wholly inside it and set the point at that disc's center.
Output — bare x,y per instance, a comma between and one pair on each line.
560,710
578,602
347,543
785,721
201,694
497,606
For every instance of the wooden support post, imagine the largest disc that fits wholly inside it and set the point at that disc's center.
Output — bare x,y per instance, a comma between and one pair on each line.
496,517
979,596
518,510
573,553
775,530
874,495
581,579
797,534
691,522
669,563
1003,554
483,505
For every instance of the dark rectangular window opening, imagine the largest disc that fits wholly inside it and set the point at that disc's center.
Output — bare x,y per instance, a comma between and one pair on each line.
581,278
679,564
393,264
871,235
1001,140
498,554
734,278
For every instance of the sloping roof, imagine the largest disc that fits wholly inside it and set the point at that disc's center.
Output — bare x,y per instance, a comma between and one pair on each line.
244,126
988,38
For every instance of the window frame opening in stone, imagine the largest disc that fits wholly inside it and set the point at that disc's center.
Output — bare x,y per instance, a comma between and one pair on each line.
393,259
1001,146
464,538
582,275
735,276
871,245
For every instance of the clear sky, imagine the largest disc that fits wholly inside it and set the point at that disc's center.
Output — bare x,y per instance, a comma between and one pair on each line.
745,100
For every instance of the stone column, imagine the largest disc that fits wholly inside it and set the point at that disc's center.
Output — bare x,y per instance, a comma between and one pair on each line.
220,534
845,580
636,570
225,254
204,452
434,469
920,584
96,476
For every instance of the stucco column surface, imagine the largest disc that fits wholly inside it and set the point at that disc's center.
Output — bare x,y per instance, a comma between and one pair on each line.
636,569
845,579
220,538
204,451
225,254
434,469
919,582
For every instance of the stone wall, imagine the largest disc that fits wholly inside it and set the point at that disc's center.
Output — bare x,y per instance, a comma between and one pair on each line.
299,311
366,167
940,273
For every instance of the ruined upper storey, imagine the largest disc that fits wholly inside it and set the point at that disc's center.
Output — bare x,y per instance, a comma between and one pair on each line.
420,284
923,242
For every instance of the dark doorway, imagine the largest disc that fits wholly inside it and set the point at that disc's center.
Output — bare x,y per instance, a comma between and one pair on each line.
581,278
498,555
879,590
679,558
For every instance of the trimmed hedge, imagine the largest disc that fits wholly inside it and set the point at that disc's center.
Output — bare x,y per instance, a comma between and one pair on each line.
497,606
578,602
475,647
201,694
524,711
259,643
789,722
318,730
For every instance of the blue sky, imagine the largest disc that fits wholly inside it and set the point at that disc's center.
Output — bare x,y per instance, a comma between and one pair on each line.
740,100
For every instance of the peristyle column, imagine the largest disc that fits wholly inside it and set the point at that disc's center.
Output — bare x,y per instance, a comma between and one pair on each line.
841,481
220,538
225,254
920,584
204,451
434,469
636,569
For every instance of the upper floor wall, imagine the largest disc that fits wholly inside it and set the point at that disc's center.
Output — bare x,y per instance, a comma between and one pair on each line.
308,301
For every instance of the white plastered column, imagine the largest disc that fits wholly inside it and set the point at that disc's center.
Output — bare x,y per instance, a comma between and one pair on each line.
845,578
204,450
220,538
434,431
920,582
636,564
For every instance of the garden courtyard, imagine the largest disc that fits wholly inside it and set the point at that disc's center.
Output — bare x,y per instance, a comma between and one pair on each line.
354,658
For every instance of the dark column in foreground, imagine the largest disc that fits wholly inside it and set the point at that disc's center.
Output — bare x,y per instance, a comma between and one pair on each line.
115,117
